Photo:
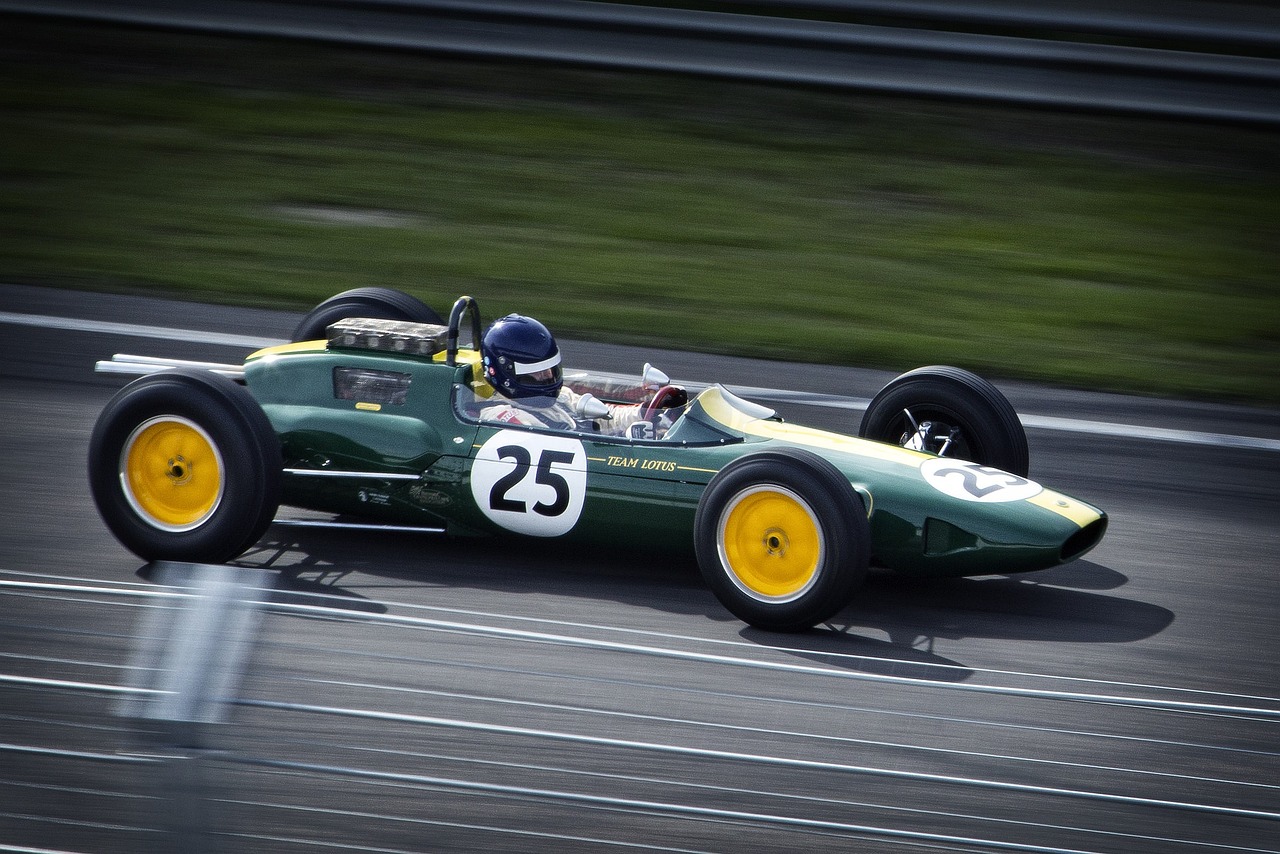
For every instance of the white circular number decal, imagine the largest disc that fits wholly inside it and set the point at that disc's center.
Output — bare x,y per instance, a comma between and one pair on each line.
530,483
972,482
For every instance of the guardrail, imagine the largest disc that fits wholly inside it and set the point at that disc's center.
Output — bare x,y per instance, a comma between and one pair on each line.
1192,21
1060,59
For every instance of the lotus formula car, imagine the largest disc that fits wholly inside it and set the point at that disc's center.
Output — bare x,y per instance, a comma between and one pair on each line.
373,413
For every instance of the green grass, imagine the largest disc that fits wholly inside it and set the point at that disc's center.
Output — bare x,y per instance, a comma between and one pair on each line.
1116,253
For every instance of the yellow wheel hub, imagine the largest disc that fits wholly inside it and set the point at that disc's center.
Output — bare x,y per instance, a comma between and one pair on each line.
171,473
770,543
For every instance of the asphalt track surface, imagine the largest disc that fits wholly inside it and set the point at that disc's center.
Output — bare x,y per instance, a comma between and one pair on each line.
442,696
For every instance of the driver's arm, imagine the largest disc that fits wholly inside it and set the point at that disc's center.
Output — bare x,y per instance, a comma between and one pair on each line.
623,416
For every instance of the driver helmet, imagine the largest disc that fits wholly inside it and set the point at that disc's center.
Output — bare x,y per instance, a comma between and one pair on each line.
521,360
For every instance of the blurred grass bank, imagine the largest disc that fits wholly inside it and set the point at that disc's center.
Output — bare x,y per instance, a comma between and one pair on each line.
1117,253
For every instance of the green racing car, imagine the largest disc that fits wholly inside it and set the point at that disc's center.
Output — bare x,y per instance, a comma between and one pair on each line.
375,413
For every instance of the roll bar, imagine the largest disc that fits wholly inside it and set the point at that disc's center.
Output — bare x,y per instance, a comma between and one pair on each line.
463,305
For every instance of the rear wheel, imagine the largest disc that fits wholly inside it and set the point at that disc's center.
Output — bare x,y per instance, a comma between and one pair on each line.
952,413
184,465
379,303
782,539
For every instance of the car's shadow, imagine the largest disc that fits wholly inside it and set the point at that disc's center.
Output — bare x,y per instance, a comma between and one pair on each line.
891,628
1058,605
289,588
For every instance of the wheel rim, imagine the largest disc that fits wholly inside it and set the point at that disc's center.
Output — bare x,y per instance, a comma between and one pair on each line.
771,545
171,473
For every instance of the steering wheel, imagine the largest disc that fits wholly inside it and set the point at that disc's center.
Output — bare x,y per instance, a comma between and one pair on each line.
668,395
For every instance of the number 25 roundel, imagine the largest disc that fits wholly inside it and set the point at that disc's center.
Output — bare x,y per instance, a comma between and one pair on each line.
530,483
972,482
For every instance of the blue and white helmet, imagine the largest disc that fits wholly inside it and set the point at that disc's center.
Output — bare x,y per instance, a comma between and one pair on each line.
520,359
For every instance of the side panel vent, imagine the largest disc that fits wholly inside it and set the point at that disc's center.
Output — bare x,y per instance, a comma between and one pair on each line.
943,538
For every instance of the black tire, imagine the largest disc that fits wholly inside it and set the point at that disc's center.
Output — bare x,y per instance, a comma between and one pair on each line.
987,429
185,466
782,539
380,303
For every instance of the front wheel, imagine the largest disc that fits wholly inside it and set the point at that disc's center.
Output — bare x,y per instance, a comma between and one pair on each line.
952,413
782,539
184,465
378,303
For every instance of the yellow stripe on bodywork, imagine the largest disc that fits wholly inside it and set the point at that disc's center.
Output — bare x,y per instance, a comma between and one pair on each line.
713,402
478,384
1068,508
811,438
317,346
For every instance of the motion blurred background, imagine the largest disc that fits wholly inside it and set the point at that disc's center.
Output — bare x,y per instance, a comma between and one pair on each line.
1082,236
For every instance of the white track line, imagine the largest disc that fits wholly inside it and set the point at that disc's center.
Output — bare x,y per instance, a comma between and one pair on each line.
1263,709
193,336
1039,422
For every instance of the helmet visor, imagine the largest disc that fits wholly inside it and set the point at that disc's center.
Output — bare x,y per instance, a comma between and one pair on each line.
539,378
